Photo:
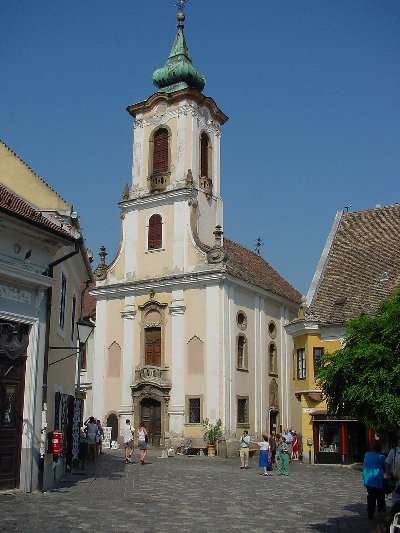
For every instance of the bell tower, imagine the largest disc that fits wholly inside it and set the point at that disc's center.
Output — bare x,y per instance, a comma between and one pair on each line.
177,137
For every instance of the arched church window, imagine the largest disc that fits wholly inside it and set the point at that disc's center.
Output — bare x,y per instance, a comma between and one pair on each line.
160,151
154,241
205,155
242,358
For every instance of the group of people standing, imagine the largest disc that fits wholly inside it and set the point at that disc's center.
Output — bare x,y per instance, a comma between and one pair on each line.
275,453
91,438
381,476
143,440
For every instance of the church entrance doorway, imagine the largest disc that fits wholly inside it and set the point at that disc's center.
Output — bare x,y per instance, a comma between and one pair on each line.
150,411
273,419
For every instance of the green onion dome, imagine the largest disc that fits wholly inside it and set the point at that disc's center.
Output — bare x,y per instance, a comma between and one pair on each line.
178,73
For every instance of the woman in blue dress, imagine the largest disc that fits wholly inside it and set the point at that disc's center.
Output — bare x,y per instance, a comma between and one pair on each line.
263,459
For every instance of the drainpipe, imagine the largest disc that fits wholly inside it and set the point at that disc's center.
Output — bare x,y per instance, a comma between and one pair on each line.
50,273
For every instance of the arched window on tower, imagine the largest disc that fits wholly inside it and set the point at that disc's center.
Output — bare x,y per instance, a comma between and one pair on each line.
160,151
205,163
154,240
204,144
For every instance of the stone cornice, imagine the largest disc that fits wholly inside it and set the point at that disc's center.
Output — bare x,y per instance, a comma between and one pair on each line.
131,288
156,199
24,276
302,327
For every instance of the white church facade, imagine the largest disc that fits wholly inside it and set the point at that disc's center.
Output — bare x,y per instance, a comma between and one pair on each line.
189,325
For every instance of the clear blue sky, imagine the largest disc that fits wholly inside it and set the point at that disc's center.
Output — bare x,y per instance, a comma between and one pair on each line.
312,90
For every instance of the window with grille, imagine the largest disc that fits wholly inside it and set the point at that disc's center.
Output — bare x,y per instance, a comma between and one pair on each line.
242,352
194,411
204,149
155,233
160,151
242,411
318,353
152,346
63,295
301,363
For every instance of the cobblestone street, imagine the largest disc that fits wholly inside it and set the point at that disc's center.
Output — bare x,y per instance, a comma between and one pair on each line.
191,494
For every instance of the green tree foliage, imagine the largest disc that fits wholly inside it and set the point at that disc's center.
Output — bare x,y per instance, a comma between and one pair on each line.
362,379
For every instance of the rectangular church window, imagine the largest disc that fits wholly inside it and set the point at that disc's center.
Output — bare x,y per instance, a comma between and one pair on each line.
152,346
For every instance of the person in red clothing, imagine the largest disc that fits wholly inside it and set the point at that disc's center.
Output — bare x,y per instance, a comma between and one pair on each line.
295,447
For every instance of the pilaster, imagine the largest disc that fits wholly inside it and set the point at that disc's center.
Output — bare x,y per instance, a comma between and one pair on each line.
128,352
176,408
213,352
99,359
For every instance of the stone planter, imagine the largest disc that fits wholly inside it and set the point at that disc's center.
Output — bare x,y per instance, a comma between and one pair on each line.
211,450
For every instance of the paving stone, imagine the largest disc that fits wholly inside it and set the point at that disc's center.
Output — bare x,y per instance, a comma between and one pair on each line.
193,494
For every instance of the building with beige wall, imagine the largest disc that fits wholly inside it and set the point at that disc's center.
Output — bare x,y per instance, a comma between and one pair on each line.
189,325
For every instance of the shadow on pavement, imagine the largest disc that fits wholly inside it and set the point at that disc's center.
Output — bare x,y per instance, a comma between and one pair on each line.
356,523
109,466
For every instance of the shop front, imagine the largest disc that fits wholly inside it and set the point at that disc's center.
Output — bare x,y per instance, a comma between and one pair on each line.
338,440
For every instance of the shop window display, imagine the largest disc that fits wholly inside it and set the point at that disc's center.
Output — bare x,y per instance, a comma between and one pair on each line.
329,438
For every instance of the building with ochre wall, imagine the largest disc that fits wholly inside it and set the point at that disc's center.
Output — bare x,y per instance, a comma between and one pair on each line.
359,267
189,325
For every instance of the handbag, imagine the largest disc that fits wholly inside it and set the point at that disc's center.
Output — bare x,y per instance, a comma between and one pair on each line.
146,438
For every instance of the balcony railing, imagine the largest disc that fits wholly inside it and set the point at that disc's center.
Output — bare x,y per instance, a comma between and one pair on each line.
158,182
152,374
207,185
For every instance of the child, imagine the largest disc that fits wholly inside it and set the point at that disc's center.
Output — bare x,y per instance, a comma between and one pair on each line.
263,460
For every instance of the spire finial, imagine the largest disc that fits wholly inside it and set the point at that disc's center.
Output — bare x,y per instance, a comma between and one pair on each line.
180,16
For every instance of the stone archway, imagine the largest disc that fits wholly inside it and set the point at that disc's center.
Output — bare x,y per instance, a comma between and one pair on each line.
146,398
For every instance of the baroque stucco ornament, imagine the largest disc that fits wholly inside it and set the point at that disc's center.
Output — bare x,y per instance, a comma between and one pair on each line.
205,122
215,254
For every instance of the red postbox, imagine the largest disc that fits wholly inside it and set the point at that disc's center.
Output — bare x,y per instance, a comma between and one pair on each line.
55,442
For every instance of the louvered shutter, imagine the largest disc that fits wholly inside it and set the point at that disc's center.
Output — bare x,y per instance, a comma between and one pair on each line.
153,346
155,232
204,156
160,154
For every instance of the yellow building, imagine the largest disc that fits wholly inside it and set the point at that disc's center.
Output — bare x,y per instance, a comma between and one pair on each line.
358,269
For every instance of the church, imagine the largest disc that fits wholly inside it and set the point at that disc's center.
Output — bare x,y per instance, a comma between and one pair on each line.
189,324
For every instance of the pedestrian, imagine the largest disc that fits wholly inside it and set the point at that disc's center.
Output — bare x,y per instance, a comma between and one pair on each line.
289,440
143,439
392,474
244,450
272,448
99,438
373,474
295,447
283,463
263,458
83,449
128,441
91,432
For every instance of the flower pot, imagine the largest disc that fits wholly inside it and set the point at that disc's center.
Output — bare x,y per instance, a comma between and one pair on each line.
211,450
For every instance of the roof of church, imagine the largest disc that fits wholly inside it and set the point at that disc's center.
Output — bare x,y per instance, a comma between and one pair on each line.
360,265
178,73
252,268
89,302
14,205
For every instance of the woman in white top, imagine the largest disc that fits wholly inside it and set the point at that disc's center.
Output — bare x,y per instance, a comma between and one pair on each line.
143,439
91,432
263,460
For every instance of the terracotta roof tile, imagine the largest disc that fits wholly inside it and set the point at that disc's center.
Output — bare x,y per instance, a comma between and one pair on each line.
362,267
12,204
89,302
252,268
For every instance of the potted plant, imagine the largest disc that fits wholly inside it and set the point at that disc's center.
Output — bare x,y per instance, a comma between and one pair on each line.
212,432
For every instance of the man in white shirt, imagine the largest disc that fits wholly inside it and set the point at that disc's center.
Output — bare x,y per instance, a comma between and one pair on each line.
128,441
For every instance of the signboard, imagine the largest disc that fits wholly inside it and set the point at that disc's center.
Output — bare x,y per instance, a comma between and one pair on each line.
107,437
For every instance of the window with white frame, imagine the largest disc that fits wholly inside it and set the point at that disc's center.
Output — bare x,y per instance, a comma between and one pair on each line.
301,363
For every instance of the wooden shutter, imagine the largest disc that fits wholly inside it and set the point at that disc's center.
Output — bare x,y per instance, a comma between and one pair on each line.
155,233
204,155
152,346
160,153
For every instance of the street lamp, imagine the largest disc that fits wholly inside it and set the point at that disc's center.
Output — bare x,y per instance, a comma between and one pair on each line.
84,328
